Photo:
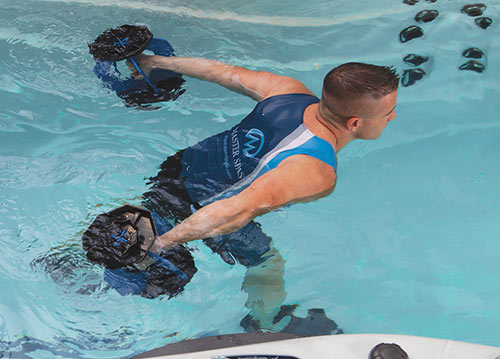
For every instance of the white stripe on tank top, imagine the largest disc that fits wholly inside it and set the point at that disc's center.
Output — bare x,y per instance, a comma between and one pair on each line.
295,139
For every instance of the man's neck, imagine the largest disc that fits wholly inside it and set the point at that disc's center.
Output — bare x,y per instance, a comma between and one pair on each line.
330,131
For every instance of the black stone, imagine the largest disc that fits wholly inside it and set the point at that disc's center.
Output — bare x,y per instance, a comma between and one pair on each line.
415,60
473,53
473,65
411,76
483,22
431,0
426,15
410,33
387,351
474,9
410,2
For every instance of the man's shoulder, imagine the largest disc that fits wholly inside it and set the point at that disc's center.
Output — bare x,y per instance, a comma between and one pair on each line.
298,179
293,96
292,102
267,84
309,171
288,85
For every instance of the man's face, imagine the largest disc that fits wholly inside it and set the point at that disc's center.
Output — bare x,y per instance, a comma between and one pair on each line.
380,113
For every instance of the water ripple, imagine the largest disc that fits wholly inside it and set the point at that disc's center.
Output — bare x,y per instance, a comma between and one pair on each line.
285,21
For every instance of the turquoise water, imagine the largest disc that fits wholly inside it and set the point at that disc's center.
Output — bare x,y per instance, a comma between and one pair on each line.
407,244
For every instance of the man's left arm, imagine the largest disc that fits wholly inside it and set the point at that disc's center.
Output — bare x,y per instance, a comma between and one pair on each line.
257,85
296,179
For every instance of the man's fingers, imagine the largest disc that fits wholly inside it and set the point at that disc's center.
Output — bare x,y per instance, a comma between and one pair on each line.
143,61
135,74
146,262
156,247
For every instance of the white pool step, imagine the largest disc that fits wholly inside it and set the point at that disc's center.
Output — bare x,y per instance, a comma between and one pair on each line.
343,346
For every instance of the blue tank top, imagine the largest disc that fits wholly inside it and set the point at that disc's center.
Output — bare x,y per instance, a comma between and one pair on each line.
225,164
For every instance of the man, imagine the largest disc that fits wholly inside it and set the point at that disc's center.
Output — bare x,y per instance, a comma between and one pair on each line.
283,152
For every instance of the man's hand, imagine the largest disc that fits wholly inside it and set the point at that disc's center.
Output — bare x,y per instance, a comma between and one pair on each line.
144,62
162,242
145,263
158,245
156,248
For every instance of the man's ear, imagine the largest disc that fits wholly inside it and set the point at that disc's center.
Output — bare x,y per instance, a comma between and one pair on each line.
353,123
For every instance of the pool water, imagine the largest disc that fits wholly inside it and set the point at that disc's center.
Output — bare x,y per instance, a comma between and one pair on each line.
407,244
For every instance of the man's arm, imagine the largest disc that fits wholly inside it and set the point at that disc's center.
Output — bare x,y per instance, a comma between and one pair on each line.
297,179
256,84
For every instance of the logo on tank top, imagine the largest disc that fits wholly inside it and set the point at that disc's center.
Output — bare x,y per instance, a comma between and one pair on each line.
235,150
255,142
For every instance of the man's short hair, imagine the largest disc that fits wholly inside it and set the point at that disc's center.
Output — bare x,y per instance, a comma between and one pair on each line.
348,85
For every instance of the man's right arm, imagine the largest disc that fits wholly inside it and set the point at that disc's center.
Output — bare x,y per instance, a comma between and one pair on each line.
298,179
256,84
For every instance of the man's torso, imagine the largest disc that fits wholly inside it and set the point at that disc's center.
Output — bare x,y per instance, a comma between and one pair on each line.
225,164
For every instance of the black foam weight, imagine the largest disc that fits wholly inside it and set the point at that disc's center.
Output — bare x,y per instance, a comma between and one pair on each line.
474,9
415,60
426,15
483,22
120,43
410,33
411,76
473,53
168,90
162,281
101,242
473,65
